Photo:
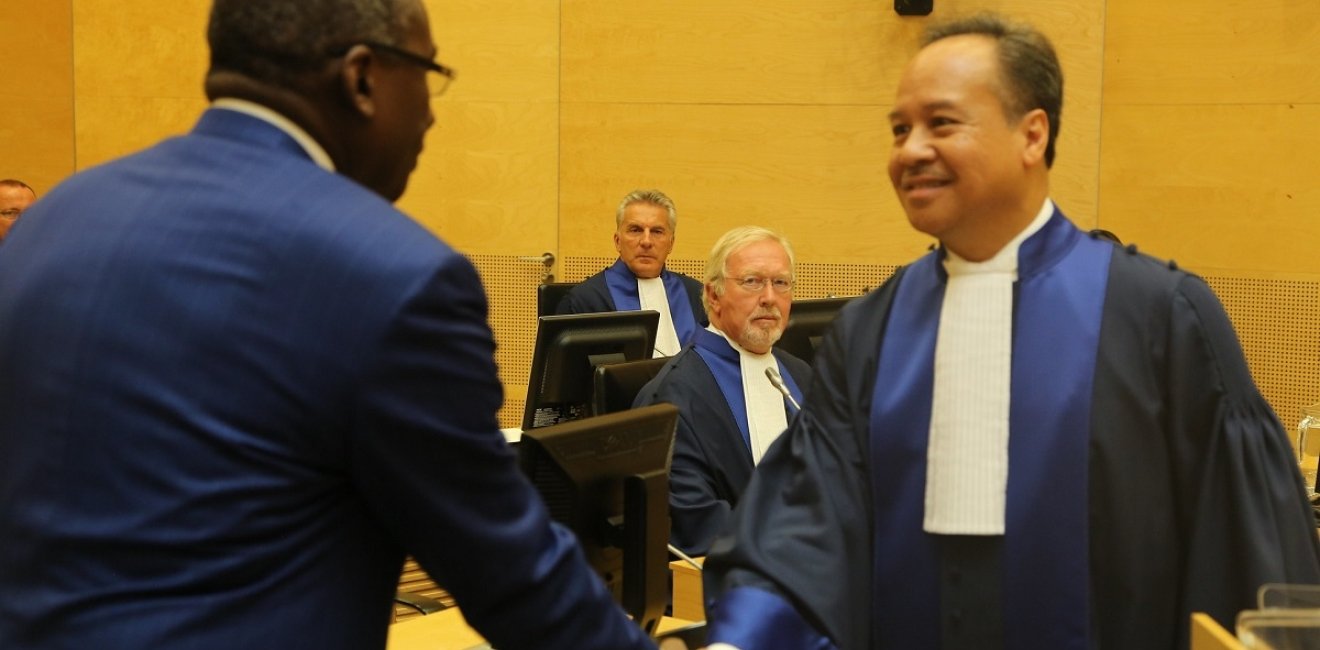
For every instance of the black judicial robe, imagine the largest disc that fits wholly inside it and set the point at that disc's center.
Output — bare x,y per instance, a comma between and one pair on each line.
594,295
1148,478
712,456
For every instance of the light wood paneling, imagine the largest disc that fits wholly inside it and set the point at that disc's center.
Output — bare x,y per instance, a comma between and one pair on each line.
773,114
504,50
487,181
695,51
36,98
1228,51
814,172
1218,188
109,127
138,71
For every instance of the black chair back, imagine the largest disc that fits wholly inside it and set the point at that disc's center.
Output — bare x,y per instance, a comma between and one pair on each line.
549,294
617,384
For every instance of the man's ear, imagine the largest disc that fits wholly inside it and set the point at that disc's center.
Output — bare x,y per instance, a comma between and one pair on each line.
1035,129
358,79
712,299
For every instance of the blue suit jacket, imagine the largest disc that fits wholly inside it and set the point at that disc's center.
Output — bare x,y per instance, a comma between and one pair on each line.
235,389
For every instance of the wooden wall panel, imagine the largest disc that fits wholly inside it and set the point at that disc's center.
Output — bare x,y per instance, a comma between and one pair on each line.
1210,133
773,113
1221,188
1230,51
1209,156
504,50
109,126
816,173
36,98
488,179
695,51
138,70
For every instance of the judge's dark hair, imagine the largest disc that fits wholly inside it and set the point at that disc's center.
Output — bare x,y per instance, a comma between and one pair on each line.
275,41
1030,69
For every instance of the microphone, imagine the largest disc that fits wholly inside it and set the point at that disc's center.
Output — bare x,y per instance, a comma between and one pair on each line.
683,556
773,375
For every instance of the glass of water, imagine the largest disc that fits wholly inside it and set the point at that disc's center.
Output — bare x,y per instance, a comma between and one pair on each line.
1308,444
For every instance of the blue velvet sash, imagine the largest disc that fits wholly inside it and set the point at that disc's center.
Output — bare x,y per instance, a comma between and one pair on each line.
1059,299
724,363
623,290
776,626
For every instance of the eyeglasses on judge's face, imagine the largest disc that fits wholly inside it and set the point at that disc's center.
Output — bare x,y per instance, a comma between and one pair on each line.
436,83
757,284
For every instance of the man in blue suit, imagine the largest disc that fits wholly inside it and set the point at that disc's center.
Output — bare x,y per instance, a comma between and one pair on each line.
239,385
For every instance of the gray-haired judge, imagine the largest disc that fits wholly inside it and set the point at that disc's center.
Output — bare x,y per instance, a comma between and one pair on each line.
644,236
730,411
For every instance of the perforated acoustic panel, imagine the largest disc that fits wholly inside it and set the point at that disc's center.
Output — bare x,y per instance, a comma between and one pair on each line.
511,289
1277,323
813,280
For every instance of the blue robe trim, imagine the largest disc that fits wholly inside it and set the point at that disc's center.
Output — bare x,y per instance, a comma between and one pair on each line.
1058,303
623,290
725,365
777,625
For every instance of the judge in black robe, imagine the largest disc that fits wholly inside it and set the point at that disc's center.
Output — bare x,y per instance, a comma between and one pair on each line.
1146,477
1150,479
712,458
615,289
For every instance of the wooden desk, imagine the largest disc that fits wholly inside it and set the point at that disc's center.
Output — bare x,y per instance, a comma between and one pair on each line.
687,590
1208,634
446,630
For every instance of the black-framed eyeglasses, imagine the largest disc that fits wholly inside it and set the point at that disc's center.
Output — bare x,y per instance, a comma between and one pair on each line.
437,83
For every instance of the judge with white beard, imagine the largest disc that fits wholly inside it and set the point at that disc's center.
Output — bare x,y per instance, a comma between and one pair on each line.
730,411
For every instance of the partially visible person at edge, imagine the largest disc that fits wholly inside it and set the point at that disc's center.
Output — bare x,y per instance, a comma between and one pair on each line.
644,236
240,386
15,197
1028,438
729,410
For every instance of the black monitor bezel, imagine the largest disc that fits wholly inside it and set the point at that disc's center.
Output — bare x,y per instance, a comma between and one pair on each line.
808,320
606,478
559,363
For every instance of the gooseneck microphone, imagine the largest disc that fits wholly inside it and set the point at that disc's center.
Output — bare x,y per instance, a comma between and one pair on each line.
773,375
684,556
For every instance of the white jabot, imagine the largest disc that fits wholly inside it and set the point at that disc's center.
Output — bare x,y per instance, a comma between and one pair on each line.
253,109
651,293
967,455
766,418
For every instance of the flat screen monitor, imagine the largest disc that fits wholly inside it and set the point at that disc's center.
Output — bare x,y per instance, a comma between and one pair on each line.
568,350
607,479
808,320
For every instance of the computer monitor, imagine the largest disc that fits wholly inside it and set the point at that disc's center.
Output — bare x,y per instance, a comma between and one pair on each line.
607,479
568,349
808,320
